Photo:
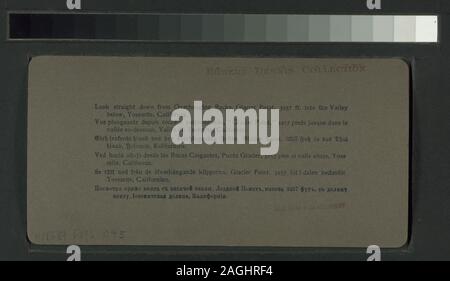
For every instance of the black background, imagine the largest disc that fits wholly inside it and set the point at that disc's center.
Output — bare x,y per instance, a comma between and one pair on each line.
430,138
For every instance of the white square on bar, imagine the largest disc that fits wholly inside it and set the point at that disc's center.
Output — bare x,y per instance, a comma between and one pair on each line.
426,28
404,28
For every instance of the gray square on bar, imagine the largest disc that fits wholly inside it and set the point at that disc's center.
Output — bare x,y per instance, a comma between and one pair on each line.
234,28
255,28
319,28
340,28
362,28
169,27
383,28
191,28
297,28
212,28
276,28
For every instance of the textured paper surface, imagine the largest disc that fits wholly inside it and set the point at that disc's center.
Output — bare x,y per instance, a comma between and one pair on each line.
102,169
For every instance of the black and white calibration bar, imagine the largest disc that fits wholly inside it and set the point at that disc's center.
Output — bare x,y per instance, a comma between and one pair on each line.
223,27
